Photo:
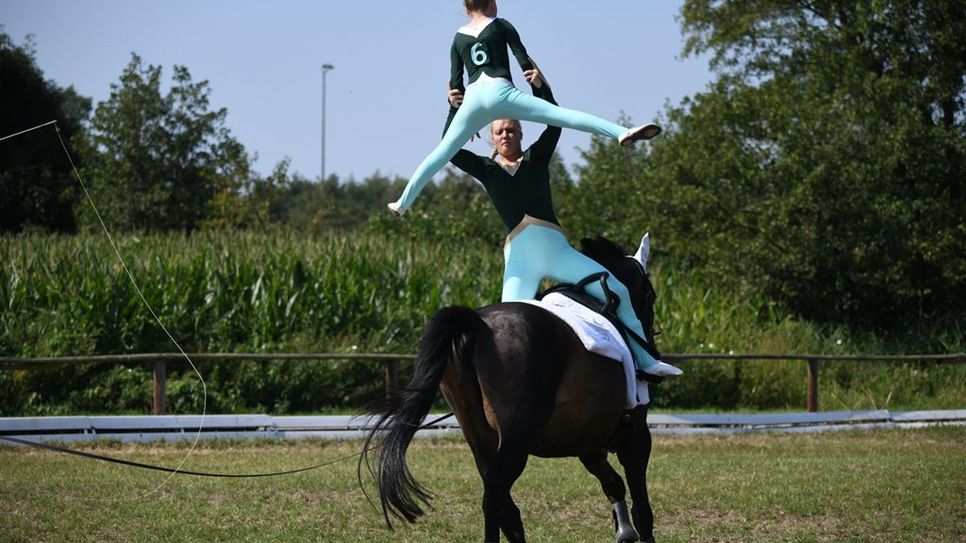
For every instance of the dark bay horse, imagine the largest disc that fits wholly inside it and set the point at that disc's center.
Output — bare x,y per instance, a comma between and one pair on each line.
520,382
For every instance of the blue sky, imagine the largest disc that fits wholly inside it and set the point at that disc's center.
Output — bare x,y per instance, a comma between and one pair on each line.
385,103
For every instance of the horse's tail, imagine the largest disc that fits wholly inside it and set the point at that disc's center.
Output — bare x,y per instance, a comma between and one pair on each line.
450,332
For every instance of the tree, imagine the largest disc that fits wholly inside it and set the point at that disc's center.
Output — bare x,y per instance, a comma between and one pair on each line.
825,163
607,201
157,162
35,176
247,200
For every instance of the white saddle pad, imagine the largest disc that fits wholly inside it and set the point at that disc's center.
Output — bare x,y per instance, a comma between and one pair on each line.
598,336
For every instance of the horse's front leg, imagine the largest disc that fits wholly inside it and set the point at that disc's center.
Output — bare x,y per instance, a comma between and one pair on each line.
613,487
634,455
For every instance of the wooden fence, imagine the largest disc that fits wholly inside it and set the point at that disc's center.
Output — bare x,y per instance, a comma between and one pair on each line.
391,361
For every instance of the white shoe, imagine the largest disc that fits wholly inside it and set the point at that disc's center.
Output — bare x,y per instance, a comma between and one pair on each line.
396,209
643,132
663,370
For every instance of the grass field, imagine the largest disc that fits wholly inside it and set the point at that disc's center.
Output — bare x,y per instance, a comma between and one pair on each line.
857,486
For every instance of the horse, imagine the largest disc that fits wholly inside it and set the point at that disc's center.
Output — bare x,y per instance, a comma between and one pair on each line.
521,383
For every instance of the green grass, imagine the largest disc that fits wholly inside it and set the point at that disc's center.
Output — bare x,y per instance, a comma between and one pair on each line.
857,486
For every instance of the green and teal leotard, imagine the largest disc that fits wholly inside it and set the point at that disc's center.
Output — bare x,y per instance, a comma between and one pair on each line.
536,246
485,54
490,96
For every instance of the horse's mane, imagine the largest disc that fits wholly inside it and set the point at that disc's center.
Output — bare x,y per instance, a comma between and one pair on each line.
601,249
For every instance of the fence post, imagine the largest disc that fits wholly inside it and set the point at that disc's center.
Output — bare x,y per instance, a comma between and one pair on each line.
392,378
812,385
158,405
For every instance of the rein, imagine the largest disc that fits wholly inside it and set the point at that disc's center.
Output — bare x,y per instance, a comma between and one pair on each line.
137,289
204,387
114,460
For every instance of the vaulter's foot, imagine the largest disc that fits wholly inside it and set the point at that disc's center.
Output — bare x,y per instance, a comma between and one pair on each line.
663,370
643,132
396,209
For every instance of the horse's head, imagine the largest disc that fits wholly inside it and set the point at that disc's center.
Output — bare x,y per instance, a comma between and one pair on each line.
632,272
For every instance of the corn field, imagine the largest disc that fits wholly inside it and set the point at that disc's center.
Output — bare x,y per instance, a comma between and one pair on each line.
281,291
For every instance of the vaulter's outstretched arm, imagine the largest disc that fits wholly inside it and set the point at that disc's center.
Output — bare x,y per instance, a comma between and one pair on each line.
456,70
546,144
516,46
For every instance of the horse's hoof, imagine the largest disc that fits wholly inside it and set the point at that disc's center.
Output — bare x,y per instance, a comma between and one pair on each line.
627,535
622,524
648,540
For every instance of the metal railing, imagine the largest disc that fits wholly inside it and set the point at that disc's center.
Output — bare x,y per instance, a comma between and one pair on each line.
391,361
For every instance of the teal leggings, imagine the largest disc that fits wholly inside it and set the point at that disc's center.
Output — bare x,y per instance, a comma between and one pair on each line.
538,252
485,102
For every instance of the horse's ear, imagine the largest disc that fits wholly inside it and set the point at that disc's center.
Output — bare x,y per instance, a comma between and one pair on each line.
644,251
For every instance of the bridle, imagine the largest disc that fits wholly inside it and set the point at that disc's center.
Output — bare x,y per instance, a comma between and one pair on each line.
650,298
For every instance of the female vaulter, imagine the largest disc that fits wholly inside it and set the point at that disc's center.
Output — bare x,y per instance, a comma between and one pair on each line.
518,183
481,48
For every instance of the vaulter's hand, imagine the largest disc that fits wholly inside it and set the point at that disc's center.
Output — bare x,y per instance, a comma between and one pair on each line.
534,76
455,98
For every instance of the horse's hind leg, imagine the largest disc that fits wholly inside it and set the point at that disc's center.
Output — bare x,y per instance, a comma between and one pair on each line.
499,511
483,444
613,487
634,455
508,516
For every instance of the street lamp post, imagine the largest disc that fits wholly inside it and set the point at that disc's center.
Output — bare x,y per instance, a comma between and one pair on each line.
325,70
